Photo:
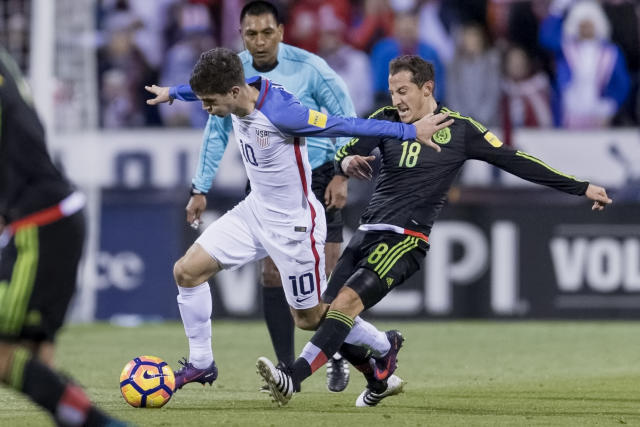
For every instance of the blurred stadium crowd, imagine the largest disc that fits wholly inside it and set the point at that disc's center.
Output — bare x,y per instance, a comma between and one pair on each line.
509,63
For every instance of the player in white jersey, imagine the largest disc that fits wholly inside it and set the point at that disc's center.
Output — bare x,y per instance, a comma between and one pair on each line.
281,217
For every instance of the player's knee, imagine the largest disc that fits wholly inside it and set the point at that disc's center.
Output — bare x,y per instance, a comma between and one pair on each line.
308,320
367,289
181,274
305,324
309,323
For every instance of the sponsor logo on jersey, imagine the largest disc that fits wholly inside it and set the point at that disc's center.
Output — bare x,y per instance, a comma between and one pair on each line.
443,136
262,138
317,119
492,139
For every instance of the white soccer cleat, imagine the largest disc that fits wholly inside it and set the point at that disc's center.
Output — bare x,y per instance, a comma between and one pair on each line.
369,398
279,382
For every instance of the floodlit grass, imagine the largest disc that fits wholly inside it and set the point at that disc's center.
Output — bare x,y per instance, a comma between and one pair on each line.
457,373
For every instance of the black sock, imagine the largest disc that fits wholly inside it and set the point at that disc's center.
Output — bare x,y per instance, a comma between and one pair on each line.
359,357
328,339
65,401
279,323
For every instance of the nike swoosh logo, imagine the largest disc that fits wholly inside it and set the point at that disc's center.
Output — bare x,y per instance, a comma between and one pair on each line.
302,299
147,376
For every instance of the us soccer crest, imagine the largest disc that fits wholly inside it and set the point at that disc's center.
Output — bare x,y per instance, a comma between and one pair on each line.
262,138
442,136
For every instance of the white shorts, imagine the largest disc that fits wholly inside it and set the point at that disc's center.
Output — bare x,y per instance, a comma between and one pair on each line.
239,237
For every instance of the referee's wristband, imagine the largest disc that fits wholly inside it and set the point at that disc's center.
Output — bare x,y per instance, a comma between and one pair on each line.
195,192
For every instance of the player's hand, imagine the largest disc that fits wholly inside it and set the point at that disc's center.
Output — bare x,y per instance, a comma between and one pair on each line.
197,204
161,93
335,197
358,166
430,124
599,197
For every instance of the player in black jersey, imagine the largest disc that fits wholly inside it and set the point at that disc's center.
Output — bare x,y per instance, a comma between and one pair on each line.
41,239
393,236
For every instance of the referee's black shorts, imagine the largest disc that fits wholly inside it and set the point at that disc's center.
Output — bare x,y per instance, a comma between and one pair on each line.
38,272
392,257
320,178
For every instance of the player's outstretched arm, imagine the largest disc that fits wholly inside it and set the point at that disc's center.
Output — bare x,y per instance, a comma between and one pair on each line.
161,95
430,124
599,196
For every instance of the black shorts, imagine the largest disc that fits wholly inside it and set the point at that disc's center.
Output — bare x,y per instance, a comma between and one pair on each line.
320,178
391,256
38,272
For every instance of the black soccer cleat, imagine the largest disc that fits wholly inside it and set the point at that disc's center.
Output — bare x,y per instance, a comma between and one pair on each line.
189,374
337,374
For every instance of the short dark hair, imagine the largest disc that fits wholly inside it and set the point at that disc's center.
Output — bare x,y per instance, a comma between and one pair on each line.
422,71
255,8
216,72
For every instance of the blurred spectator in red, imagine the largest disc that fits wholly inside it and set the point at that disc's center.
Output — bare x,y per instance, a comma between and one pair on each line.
404,42
372,21
591,75
624,16
350,64
304,18
194,35
526,93
473,78
433,30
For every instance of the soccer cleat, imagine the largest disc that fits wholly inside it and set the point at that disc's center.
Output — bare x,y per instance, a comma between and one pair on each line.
337,374
279,382
189,374
264,388
385,366
370,398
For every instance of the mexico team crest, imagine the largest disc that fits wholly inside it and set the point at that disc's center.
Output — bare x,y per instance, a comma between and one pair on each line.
442,136
262,138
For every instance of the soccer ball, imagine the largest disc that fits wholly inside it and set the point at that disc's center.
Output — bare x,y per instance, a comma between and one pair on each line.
147,382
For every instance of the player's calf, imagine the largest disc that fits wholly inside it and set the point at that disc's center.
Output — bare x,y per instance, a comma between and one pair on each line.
309,319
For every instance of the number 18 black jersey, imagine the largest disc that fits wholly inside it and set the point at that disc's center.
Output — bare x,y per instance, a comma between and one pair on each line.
414,179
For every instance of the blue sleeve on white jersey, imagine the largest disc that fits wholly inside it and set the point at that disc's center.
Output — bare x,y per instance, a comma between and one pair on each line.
214,142
292,118
182,93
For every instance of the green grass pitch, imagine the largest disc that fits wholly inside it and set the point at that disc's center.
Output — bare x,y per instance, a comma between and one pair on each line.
457,373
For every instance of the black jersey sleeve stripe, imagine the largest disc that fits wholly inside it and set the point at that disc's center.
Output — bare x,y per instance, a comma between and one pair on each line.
543,164
457,115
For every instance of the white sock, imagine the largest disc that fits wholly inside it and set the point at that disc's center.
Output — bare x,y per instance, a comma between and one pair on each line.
365,334
195,310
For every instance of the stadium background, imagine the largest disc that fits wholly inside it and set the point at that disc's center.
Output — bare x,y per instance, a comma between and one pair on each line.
503,248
